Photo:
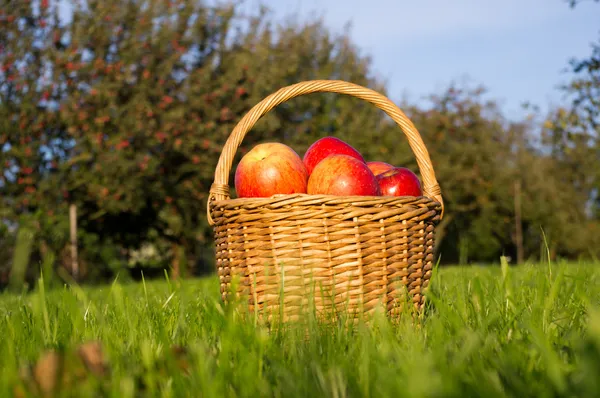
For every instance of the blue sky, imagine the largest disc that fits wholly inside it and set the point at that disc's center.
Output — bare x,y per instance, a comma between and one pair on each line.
518,49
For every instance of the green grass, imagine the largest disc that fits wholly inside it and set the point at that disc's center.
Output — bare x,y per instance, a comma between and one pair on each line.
491,332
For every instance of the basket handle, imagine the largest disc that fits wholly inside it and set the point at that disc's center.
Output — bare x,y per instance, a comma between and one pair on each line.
220,188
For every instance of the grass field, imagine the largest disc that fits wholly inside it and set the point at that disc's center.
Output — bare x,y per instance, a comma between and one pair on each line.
491,332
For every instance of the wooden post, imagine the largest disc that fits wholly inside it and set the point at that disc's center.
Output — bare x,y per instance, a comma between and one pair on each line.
518,223
175,265
73,225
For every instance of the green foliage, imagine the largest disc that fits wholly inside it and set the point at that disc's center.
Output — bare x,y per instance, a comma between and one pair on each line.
475,164
145,95
572,137
478,157
503,331
123,110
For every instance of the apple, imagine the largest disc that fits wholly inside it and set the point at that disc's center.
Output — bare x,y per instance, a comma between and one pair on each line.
268,169
379,167
342,175
325,147
399,181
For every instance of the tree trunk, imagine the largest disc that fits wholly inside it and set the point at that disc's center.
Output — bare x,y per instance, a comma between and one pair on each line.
518,223
175,273
73,227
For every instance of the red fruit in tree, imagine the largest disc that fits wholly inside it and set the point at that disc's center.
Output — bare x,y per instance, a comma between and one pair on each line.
269,169
325,147
342,175
399,181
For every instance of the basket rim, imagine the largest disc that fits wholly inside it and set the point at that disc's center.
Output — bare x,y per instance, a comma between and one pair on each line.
331,206
355,200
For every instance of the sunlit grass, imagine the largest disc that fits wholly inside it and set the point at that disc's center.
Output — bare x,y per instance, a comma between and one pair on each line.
489,331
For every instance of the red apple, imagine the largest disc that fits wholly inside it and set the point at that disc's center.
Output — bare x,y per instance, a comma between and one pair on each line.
268,169
342,175
325,147
399,181
379,167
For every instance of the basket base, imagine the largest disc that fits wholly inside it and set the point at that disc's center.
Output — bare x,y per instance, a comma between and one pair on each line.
339,255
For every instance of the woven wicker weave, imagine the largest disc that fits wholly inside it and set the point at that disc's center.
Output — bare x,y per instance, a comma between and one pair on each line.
349,253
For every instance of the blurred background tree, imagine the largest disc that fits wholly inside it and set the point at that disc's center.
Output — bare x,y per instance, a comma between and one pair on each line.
123,108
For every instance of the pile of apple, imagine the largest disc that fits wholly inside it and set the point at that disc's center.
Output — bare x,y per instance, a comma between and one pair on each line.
330,167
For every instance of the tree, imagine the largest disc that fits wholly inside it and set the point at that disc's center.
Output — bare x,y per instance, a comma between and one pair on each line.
572,134
476,167
32,137
575,133
123,110
145,95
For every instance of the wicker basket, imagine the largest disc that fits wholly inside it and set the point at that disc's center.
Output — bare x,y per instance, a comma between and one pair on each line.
338,253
